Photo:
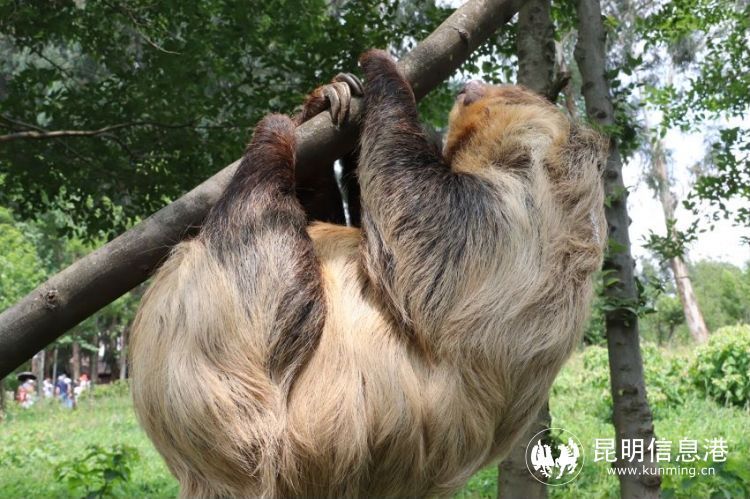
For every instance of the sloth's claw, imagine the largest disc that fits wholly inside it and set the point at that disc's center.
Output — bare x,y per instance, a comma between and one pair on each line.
339,95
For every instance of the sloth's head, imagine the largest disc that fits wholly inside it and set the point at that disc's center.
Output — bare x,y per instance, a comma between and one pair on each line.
484,115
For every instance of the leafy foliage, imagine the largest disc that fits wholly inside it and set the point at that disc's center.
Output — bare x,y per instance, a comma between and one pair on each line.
662,375
19,265
707,40
98,471
721,368
176,85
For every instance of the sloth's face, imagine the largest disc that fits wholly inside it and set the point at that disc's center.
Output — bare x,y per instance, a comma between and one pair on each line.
479,106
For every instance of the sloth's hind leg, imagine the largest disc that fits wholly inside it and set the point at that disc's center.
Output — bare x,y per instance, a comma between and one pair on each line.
257,230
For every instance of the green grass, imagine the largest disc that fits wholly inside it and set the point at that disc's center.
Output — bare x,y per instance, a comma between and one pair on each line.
33,442
578,406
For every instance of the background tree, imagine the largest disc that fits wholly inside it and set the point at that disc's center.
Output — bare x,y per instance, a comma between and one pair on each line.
671,247
631,412
535,48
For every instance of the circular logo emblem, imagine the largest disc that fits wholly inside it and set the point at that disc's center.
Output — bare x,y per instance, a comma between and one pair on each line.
554,456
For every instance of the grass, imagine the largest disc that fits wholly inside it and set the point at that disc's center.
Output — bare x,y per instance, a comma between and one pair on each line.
34,442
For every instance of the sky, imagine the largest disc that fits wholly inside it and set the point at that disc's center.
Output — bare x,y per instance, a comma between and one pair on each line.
722,244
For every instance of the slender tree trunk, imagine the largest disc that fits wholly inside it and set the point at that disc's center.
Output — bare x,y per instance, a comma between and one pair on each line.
35,365
75,361
124,353
40,374
536,71
693,316
95,366
567,90
515,480
54,366
632,415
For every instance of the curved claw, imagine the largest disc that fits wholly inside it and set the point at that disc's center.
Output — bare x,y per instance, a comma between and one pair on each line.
354,83
335,96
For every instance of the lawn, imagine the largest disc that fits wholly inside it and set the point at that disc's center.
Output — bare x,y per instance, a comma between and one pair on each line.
40,446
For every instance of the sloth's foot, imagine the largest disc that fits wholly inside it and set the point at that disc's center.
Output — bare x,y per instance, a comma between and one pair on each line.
335,96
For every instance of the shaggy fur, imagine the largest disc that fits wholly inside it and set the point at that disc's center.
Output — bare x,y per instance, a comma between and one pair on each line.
274,359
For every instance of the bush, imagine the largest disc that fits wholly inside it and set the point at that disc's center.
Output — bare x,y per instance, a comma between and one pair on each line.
721,368
99,471
118,388
663,375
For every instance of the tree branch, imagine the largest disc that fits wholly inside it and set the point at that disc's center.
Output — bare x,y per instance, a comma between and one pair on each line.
36,133
105,274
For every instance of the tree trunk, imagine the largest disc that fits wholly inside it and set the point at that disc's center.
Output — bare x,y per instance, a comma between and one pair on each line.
35,368
693,316
124,353
536,71
75,361
632,415
515,480
535,46
40,374
107,273
95,366
54,367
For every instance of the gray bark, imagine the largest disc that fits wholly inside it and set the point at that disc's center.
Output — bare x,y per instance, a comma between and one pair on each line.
75,361
536,71
693,316
632,415
124,353
515,480
54,366
535,47
40,374
94,366
107,273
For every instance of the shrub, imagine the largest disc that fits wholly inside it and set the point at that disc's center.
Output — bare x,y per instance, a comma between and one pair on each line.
118,388
98,472
663,376
721,368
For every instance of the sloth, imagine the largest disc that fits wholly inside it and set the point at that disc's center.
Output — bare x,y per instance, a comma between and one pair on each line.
274,357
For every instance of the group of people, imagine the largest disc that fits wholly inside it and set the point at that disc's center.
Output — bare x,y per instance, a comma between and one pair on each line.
63,389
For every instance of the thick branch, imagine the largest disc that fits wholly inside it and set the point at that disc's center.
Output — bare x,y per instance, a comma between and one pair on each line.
99,278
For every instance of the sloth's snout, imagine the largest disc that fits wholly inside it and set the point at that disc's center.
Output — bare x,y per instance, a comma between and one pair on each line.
471,92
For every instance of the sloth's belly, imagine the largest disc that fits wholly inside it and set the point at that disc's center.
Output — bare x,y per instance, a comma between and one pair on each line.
368,405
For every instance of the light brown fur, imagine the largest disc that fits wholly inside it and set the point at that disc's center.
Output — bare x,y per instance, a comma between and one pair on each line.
396,399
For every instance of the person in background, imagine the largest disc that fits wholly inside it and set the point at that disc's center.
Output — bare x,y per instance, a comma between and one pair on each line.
25,395
48,388
63,391
83,384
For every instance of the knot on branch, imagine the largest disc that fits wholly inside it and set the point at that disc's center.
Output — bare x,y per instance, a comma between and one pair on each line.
51,299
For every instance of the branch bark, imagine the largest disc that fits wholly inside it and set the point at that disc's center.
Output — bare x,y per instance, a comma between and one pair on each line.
99,278
632,415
